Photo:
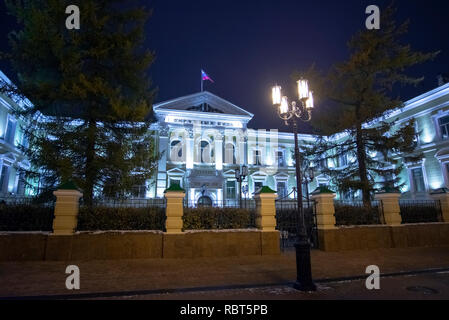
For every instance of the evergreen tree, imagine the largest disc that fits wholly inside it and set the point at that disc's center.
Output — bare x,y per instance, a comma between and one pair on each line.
90,92
358,94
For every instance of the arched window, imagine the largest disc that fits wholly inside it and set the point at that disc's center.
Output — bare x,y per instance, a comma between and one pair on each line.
176,150
230,154
206,152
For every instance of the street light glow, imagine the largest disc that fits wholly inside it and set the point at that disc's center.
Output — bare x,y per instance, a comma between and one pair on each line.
283,108
303,89
276,95
309,102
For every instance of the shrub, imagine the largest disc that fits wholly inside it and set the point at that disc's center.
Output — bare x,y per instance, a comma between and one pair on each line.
207,218
346,215
110,218
26,217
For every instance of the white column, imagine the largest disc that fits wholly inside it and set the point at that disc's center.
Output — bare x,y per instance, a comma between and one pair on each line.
189,153
218,153
162,167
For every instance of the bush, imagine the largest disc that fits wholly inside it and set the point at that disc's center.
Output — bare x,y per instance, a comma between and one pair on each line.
208,218
346,215
419,214
110,218
26,217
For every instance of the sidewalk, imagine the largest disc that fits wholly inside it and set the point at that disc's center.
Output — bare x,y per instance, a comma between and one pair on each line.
48,278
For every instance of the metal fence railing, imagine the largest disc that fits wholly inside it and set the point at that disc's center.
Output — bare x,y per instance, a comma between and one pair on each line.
420,211
287,222
353,213
128,203
235,204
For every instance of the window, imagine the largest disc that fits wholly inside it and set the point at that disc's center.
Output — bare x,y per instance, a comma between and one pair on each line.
174,181
342,160
139,192
205,152
230,154
176,150
231,190
257,185
10,130
282,190
4,177
444,127
257,158
418,180
280,159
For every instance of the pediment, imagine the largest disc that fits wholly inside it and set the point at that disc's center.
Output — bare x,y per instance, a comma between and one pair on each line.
202,102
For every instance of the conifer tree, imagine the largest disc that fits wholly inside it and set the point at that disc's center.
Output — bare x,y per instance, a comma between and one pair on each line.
356,96
90,92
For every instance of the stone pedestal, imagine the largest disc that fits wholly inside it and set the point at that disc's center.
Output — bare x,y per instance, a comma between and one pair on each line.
391,208
325,209
266,209
174,211
66,211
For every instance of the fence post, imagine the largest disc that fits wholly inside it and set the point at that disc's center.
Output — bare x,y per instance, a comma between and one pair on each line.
174,209
391,208
443,196
266,209
325,209
66,209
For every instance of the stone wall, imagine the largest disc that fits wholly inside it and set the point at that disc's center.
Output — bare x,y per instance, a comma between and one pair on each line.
136,245
383,236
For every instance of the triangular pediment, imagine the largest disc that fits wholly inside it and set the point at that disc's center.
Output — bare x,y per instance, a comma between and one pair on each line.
202,102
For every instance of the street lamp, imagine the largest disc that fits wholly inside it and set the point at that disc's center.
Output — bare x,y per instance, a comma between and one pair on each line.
309,175
240,176
291,113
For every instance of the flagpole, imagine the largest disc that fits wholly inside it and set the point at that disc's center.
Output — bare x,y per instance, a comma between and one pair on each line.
201,80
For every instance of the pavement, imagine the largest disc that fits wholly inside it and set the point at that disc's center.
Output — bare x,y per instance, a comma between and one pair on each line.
339,275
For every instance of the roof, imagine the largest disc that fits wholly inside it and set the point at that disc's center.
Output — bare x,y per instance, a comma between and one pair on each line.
202,102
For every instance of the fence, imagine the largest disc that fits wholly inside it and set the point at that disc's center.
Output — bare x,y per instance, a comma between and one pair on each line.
26,214
287,222
353,213
249,204
420,211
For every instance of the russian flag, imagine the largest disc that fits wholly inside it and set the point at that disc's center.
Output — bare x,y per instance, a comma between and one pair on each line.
205,76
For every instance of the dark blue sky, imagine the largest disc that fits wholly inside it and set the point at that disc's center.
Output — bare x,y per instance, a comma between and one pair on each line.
246,46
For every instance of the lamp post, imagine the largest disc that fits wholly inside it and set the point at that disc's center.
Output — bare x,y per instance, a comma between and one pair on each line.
240,175
291,113
309,175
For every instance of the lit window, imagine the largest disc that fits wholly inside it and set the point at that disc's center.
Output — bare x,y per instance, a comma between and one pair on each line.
206,152
418,180
280,159
10,130
176,150
282,190
444,127
231,190
257,158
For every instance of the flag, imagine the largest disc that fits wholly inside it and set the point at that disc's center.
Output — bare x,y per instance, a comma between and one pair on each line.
205,76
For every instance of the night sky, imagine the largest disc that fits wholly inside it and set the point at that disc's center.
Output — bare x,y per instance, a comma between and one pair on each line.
247,46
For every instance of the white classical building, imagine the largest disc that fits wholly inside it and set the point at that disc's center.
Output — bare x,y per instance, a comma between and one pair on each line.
203,139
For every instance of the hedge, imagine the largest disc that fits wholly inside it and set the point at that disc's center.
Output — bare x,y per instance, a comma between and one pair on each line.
110,218
26,217
208,218
346,215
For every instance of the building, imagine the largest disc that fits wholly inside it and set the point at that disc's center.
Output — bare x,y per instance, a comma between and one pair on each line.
203,139
11,158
